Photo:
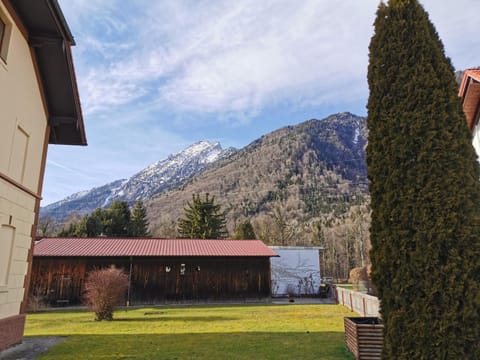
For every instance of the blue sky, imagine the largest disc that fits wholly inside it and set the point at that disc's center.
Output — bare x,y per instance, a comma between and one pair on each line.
157,76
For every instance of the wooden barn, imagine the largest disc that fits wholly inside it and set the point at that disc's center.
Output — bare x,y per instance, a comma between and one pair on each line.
160,270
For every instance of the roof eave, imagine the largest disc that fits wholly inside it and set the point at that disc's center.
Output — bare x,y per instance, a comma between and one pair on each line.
50,39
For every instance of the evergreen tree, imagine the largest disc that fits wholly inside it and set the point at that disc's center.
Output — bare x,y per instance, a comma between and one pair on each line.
81,227
202,219
139,227
118,221
244,231
98,221
425,194
93,225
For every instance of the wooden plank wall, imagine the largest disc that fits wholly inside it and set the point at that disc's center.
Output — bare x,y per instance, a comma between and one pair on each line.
57,279
61,280
364,337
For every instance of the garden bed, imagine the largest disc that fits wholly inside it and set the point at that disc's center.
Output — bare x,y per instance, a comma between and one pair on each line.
364,337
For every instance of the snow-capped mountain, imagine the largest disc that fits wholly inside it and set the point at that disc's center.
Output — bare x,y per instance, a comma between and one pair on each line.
159,176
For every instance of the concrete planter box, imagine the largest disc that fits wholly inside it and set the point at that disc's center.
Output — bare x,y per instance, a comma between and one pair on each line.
364,337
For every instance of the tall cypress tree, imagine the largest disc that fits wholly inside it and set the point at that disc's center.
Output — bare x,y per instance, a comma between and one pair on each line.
425,193
202,219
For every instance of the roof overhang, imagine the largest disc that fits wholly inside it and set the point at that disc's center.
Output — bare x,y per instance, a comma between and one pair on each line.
50,39
470,93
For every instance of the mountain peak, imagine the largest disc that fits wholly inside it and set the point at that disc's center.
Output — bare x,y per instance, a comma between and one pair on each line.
202,145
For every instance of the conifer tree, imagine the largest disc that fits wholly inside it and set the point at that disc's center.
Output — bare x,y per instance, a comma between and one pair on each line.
202,219
98,222
93,225
118,222
139,225
425,194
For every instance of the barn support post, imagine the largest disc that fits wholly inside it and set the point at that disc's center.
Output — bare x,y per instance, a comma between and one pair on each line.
129,281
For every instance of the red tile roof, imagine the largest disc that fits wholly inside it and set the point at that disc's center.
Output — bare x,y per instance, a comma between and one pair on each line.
149,247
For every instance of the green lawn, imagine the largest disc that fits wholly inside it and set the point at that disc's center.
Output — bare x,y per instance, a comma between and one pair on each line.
346,286
198,332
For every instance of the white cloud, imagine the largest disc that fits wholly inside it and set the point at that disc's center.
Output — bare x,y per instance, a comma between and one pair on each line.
241,58
227,57
233,57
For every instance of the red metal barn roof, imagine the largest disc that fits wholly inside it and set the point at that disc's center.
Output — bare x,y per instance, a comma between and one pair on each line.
149,247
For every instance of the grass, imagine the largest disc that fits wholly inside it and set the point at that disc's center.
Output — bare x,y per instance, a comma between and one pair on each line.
198,332
346,286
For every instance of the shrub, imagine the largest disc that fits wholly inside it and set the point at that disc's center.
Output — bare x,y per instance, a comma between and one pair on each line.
358,274
36,298
104,290
361,279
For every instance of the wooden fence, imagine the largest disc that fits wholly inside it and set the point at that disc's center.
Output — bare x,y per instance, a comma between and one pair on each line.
363,304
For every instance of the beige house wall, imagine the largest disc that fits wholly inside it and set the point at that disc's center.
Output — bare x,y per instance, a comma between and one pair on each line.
22,142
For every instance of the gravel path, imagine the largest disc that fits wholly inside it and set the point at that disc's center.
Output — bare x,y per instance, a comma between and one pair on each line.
31,347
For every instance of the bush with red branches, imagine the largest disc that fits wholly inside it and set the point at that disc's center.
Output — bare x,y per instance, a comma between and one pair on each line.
104,290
